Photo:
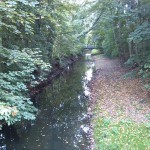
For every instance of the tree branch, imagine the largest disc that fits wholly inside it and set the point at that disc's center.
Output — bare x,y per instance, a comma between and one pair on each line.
95,22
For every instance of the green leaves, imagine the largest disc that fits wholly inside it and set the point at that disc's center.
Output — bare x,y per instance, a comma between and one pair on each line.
32,34
142,33
15,103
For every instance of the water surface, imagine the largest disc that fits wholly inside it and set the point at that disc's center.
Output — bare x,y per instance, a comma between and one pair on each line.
62,122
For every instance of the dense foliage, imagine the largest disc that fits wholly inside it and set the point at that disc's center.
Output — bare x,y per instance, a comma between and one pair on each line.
122,28
35,33
18,68
32,35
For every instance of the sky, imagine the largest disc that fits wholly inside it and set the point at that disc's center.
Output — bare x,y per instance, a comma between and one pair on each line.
80,1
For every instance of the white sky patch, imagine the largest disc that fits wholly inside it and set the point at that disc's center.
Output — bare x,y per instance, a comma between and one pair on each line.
80,1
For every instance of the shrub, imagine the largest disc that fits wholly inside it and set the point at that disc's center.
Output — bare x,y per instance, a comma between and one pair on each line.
15,103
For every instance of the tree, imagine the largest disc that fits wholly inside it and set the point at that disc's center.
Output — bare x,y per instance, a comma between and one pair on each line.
124,28
33,34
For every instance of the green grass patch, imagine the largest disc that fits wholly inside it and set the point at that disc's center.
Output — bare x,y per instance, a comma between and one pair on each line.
123,135
95,52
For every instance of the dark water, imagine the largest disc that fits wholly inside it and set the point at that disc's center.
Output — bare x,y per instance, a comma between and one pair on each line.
62,122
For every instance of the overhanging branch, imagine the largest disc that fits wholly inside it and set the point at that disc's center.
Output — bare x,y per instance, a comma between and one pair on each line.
91,28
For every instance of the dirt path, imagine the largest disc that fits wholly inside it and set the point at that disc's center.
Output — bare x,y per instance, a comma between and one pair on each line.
115,96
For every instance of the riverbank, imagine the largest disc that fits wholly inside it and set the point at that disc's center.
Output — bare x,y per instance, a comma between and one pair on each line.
120,106
62,120
58,67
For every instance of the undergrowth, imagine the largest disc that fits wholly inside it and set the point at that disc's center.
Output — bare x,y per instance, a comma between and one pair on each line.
131,74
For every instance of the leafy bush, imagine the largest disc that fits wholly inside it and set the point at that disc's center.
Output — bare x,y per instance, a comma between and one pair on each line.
145,72
141,33
143,64
17,69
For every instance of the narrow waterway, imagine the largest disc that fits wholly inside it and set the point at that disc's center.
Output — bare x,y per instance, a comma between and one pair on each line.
62,122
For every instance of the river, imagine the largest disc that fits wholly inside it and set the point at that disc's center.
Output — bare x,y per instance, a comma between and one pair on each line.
62,122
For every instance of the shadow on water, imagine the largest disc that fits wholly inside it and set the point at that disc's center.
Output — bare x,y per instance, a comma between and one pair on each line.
62,122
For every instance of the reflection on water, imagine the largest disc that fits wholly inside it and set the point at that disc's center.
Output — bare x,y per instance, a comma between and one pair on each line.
88,77
2,139
62,122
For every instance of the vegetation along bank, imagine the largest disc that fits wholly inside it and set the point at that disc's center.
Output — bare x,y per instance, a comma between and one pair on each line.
37,35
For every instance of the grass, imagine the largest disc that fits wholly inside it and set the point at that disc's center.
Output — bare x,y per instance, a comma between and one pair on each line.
95,52
122,135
